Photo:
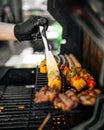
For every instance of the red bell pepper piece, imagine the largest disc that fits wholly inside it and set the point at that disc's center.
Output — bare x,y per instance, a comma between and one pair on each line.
91,83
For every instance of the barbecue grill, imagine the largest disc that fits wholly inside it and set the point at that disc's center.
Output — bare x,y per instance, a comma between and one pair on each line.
19,111
18,86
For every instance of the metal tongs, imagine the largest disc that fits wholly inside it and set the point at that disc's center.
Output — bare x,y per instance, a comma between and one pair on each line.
50,59
44,38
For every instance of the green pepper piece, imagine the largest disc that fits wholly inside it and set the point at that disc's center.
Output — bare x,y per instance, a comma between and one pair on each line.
75,67
74,73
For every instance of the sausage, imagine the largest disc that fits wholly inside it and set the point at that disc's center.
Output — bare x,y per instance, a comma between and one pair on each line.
69,60
75,61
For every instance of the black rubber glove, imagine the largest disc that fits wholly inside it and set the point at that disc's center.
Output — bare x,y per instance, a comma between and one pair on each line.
29,30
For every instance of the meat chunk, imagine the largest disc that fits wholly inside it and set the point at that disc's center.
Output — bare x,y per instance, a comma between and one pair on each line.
66,101
45,94
88,97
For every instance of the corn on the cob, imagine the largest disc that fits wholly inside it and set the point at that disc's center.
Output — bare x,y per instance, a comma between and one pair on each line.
53,73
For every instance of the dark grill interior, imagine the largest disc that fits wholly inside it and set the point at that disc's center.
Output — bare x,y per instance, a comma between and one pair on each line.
19,111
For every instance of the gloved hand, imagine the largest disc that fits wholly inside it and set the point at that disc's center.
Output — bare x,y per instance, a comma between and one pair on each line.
29,30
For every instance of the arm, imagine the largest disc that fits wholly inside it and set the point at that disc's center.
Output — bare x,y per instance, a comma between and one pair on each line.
7,31
28,30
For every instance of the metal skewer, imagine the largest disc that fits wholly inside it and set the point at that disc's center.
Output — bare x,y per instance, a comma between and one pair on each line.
45,121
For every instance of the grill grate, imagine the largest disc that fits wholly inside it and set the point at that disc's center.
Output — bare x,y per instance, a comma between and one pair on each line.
15,104
19,111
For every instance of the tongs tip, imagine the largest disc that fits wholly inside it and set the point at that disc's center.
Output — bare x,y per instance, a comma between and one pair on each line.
44,38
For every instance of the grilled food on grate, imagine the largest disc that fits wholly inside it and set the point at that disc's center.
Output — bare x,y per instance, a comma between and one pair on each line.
66,101
88,97
46,94
74,60
77,77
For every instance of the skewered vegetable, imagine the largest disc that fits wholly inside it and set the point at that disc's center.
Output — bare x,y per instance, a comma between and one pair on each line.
53,73
78,83
43,68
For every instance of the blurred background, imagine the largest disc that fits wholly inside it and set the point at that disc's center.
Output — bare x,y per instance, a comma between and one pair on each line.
27,53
